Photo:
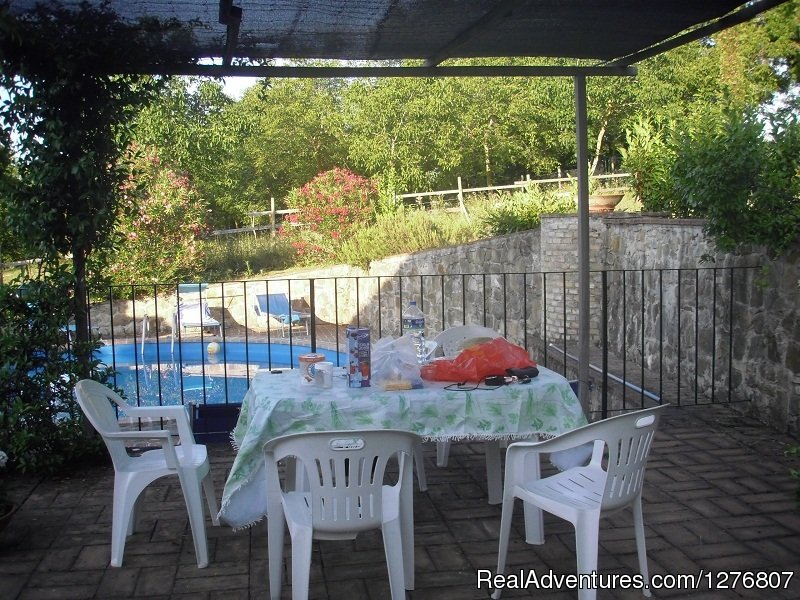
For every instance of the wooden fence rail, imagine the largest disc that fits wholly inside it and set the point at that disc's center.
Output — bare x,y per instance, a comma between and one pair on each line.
459,192
522,184
257,214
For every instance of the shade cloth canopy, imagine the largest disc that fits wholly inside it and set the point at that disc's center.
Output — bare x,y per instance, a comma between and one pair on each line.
226,32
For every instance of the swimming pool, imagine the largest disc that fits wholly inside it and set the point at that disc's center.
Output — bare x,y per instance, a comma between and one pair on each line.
190,374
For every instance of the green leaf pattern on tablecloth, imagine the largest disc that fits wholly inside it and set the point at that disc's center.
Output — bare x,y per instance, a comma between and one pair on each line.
278,406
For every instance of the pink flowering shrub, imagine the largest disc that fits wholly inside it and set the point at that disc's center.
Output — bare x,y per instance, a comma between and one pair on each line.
161,220
330,209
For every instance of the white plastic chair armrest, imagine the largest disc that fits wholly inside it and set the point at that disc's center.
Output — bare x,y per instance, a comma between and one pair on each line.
179,413
159,434
164,436
519,452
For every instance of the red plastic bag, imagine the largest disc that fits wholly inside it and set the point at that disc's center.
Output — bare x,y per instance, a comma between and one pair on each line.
478,362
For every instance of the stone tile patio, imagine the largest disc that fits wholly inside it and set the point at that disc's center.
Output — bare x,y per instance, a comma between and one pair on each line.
718,498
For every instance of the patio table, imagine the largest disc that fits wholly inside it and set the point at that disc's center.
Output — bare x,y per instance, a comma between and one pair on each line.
279,404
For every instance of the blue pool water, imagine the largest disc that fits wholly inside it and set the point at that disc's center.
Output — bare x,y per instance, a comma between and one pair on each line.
190,374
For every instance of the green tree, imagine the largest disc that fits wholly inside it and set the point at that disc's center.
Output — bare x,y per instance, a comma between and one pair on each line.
744,182
71,121
292,131
193,126
391,131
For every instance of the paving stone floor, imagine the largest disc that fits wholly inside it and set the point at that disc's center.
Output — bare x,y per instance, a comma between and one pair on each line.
718,499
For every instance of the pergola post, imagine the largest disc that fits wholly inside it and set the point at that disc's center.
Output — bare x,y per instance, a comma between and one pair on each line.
583,240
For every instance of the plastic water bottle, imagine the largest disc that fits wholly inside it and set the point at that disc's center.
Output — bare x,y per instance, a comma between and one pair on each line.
414,325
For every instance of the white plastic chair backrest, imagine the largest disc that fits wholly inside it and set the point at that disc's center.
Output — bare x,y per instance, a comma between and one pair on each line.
628,438
345,472
97,402
450,339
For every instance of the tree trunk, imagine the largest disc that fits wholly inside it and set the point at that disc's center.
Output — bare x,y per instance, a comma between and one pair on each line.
598,145
487,161
81,310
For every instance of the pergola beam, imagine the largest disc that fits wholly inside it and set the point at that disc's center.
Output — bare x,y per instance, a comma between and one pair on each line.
274,71
231,17
742,15
581,137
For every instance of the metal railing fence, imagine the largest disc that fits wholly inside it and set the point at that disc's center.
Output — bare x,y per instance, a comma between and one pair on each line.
657,335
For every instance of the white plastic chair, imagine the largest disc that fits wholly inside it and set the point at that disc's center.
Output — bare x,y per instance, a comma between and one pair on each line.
347,495
189,461
451,341
581,495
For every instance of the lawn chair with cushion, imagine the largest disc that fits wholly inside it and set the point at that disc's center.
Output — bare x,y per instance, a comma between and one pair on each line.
194,315
274,309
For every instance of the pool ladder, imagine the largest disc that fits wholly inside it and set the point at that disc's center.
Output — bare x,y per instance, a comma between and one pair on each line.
145,331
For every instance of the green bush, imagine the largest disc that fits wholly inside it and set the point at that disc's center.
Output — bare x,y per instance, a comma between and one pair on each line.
41,426
407,230
650,159
330,209
743,180
737,169
523,210
159,226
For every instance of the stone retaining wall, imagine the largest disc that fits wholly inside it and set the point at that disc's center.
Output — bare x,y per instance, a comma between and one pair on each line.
500,283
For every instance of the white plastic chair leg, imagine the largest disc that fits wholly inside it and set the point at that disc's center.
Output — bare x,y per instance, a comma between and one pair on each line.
301,562
419,464
406,512
641,550
276,526
119,531
587,530
211,499
394,558
126,494
442,453
505,534
136,514
194,506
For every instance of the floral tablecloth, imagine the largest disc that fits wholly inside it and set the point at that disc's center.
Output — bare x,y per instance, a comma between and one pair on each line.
278,404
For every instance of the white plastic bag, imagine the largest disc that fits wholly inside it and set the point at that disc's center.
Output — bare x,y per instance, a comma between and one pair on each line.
394,364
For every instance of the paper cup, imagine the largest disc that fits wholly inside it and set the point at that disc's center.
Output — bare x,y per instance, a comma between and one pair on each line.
306,361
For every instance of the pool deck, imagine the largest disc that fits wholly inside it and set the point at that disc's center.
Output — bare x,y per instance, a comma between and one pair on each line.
718,498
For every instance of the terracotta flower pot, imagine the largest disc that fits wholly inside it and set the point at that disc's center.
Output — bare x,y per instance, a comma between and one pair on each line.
604,202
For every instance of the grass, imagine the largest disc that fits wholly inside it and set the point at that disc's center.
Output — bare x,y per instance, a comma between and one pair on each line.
408,230
244,256
405,231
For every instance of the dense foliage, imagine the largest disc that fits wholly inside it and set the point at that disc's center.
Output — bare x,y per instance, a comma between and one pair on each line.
160,222
65,121
40,425
523,210
738,170
69,123
330,209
